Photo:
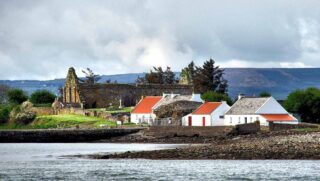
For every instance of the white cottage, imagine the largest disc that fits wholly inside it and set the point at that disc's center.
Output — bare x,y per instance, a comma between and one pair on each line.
208,114
262,109
144,110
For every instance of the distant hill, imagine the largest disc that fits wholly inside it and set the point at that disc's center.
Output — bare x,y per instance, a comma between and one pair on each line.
249,81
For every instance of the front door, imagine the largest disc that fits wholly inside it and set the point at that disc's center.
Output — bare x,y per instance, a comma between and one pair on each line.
203,121
189,121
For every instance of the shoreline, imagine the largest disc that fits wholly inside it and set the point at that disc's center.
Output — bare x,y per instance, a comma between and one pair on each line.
286,145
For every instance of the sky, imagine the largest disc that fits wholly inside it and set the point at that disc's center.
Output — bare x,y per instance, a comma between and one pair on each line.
41,39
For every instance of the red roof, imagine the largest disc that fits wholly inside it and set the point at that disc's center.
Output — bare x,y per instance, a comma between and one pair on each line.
146,104
207,108
278,117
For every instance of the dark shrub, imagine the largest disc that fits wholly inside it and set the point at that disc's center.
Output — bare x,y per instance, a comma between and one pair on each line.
42,97
17,96
4,114
212,96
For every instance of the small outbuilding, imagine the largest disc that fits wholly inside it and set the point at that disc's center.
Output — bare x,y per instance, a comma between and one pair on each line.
143,112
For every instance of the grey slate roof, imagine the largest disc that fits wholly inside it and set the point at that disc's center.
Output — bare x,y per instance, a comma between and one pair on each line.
168,100
247,105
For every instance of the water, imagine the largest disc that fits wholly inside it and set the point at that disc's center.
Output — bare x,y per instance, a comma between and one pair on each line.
44,162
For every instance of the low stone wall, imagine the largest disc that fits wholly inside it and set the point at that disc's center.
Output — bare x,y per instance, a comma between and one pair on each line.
61,136
71,111
170,131
279,127
250,128
40,111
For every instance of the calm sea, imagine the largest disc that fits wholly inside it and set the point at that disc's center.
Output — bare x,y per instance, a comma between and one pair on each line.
44,162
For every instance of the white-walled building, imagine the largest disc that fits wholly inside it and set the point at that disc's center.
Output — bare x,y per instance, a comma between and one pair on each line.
144,110
208,114
262,109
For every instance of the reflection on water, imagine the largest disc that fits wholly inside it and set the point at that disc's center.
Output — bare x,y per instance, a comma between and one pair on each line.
41,162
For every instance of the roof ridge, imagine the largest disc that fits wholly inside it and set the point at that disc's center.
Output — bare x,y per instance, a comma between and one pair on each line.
262,104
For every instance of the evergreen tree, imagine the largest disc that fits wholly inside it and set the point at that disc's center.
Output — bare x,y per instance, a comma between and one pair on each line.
169,77
209,78
91,78
158,76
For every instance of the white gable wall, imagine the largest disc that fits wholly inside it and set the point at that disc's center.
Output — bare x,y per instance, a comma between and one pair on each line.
271,106
216,120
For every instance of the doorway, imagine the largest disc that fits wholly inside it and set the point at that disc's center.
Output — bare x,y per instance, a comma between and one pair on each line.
203,121
190,121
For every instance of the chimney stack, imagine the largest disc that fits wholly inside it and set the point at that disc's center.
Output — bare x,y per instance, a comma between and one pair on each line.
240,96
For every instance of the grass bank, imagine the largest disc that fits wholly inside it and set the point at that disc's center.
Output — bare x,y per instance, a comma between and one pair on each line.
63,121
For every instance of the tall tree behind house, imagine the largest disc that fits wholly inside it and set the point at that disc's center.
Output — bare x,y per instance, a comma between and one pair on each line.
158,76
206,78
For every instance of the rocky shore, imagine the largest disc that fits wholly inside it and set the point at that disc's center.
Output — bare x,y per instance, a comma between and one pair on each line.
272,145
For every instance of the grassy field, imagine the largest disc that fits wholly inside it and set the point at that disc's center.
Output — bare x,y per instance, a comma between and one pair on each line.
63,121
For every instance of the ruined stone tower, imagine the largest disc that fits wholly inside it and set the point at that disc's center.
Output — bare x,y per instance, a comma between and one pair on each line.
71,88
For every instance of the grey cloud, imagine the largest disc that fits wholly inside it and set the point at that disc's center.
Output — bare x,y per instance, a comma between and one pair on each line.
41,39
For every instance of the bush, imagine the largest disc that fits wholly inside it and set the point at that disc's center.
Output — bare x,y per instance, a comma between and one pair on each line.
22,115
42,97
306,103
264,94
17,96
211,96
4,114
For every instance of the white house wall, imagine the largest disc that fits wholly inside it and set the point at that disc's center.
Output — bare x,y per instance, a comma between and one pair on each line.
142,118
240,119
210,120
197,120
271,106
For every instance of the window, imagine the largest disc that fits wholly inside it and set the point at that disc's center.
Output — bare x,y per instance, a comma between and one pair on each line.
239,120
230,120
221,116
250,119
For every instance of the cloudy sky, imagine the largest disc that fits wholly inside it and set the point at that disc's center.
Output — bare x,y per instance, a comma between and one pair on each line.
41,39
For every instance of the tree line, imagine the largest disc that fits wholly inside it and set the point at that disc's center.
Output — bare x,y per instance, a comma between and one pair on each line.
14,105
207,77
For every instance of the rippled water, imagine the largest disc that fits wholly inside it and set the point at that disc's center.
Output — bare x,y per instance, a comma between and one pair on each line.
43,162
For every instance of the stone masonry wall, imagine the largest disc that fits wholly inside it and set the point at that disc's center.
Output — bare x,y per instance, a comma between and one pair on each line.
104,95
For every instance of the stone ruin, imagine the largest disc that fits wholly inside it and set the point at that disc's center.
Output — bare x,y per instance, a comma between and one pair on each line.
102,95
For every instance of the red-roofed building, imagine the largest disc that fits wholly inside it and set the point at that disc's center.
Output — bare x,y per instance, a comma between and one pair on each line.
208,114
143,112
